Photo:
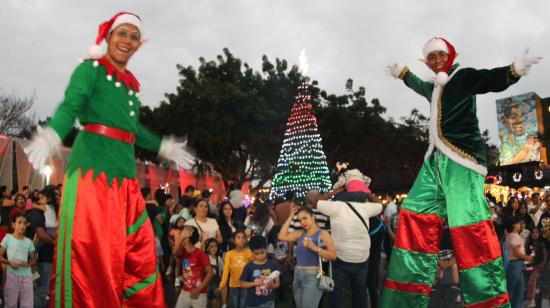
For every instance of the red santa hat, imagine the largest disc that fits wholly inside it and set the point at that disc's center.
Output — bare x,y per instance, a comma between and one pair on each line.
440,44
106,27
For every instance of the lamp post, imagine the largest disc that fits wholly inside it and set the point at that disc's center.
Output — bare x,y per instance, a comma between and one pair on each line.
47,174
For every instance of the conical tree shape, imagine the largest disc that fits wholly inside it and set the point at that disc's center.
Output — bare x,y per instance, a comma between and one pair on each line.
302,163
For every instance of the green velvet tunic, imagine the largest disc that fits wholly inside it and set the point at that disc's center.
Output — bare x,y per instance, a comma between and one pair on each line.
93,98
457,124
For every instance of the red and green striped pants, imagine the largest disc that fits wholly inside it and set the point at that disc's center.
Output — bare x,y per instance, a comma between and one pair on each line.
445,190
105,249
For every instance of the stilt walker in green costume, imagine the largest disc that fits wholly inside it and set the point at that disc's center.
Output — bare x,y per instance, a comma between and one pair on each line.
105,248
450,186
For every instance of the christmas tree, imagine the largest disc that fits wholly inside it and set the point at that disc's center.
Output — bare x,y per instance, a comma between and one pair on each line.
302,163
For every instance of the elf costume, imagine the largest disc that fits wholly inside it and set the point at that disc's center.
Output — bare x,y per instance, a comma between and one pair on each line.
105,248
450,186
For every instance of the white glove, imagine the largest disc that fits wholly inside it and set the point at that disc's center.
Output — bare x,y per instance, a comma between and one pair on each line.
44,143
522,63
177,152
395,70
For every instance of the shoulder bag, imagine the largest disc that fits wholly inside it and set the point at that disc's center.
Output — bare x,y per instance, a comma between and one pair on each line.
326,283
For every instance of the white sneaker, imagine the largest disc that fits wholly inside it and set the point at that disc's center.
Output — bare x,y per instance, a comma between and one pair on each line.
168,271
531,304
177,282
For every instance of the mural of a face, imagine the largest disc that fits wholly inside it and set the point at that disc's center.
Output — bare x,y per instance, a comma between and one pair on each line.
514,121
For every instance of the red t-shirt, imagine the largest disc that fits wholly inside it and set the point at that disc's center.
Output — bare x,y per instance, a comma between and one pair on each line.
193,265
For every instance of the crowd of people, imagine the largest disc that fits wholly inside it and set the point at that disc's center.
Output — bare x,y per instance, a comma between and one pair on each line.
522,224
234,254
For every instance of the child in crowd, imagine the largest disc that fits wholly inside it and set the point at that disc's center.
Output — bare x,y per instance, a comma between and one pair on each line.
352,179
211,248
535,247
196,268
235,261
174,236
48,204
255,276
21,256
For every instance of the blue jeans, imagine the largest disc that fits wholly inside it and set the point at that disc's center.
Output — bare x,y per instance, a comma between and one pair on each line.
237,298
264,305
306,288
42,288
356,273
515,282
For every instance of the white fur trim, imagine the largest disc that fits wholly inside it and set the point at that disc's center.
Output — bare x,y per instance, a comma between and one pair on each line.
127,19
441,78
95,52
434,44
436,142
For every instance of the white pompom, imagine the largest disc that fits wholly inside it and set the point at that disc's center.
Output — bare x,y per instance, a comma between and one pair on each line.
95,52
442,78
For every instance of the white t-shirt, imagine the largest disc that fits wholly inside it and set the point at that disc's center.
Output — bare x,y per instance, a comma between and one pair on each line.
50,217
350,236
209,228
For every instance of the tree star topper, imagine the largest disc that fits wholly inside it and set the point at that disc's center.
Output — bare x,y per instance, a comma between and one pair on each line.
304,66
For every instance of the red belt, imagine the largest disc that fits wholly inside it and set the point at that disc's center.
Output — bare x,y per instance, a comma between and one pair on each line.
111,132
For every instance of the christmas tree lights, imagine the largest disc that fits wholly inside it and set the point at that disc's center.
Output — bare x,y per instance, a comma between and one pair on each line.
302,163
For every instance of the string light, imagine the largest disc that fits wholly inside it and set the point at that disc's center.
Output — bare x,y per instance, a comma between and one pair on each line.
302,163
538,174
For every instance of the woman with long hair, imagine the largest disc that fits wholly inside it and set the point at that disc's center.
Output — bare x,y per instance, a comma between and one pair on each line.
260,222
309,251
524,214
228,225
512,208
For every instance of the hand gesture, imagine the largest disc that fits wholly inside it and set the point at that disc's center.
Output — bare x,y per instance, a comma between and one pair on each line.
14,264
523,63
269,285
178,152
43,144
395,70
294,209
308,243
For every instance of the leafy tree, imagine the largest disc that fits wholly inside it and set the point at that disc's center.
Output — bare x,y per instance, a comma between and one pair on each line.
230,114
235,118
